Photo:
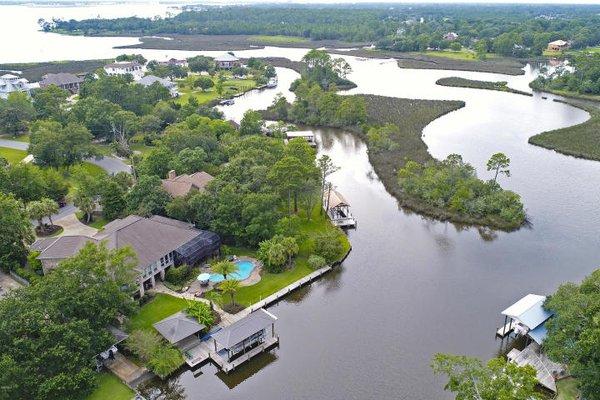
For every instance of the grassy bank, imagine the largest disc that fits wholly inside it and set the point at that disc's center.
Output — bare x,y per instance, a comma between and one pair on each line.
445,61
13,156
474,84
567,389
35,71
581,140
110,388
231,88
231,42
160,307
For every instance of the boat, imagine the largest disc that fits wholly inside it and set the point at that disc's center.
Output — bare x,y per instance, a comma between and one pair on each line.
227,102
272,83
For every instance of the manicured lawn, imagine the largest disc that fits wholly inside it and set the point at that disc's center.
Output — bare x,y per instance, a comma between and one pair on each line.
160,307
231,87
271,283
567,389
141,147
13,156
277,39
110,388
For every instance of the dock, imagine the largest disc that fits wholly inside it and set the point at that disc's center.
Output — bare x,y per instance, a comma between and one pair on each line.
338,209
505,330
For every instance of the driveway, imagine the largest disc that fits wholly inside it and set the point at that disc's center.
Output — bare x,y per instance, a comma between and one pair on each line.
72,226
7,283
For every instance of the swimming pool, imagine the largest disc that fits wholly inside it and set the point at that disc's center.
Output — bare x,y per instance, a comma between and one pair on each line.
245,268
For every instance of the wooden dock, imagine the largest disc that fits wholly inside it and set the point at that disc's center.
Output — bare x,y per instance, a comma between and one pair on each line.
230,366
503,331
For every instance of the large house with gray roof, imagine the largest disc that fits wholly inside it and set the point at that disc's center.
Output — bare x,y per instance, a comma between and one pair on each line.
158,242
63,80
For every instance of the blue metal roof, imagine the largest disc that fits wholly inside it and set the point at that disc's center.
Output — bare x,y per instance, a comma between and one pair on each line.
535,316
538,334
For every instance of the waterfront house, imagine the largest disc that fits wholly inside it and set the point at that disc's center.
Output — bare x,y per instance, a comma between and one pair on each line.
132,68
338,209
178,328
149,80
10,83
182,185
63,80
451,36
158,242
174,62
227,61
527,318
558,45
245,338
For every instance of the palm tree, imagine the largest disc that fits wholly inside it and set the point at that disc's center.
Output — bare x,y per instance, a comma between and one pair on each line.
224,268
37,211
230,287
51,208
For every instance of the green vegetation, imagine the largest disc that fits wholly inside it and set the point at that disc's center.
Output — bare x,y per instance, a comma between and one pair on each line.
583,80
160,356
509,30
581,140
574,333
160,307
567,389
34,71
469,378
13,156
276,39
452,185
109,387
463,54
231,88
473,84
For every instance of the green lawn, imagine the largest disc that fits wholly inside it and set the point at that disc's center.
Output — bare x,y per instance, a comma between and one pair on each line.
464,54
567,389
271,283
141,147
231,87
98,221
13,156
277,39
19,138
160,307
110,388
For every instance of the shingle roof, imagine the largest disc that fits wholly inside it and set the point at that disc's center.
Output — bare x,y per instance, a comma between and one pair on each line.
226,57
244,328
178,327
150,79
62,78
181,185
126,64
64,246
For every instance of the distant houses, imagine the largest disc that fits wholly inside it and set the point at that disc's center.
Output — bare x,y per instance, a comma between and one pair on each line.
149,80
227,61
10,83
125,67
174,62
451,36
558,45
158,242
182,185
63,80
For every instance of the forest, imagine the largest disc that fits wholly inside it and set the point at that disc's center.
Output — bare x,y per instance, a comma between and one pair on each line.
508,30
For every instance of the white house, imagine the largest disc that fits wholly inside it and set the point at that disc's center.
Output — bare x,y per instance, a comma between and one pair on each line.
125,67
227,61
151,79
12,83
451,36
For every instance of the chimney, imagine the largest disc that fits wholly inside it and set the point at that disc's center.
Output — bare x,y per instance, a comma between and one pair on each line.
172,174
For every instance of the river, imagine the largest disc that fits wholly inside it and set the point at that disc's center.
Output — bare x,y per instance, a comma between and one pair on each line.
412,287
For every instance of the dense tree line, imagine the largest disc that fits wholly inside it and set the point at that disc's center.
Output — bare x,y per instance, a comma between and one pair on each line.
505,29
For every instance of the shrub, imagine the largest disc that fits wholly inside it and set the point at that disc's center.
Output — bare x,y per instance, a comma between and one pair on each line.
327,244
277,251
316,262
177,275
201,311
162,358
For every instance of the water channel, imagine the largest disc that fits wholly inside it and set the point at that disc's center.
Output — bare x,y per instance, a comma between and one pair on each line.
412,287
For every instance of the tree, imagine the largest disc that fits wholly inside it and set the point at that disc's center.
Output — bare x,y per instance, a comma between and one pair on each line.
189,161
49,102
157,162
37,211
327,244
574,332
230,287
288,176
224,268
219,87
201,64
326,167
68,309
112,200
50,208
15,232
15,113
204,83
499,164
56,185
96,114
85,202
499,379
251,123
278,250
201,311
25,181
147,197
143,343
56,146
316,262
323,70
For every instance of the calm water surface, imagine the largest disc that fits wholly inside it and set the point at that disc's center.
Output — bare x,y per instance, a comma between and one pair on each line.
412,287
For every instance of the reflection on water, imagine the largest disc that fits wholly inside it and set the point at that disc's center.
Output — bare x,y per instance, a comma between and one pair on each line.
247,370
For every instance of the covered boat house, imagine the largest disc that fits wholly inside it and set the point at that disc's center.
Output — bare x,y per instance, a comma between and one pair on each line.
338,209
245,338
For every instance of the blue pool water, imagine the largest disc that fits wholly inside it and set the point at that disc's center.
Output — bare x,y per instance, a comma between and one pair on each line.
245,268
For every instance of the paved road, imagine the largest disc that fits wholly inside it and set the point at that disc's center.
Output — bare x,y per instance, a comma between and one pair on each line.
110,164
13,144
